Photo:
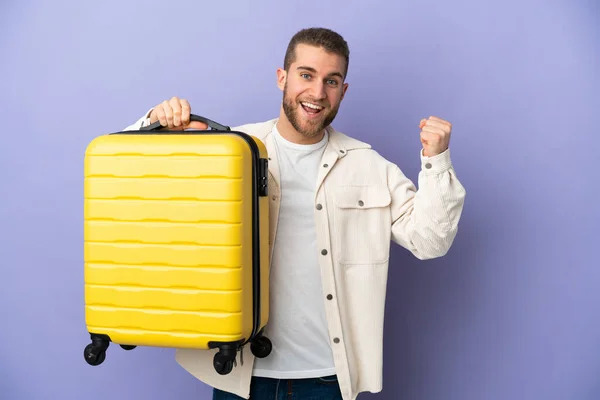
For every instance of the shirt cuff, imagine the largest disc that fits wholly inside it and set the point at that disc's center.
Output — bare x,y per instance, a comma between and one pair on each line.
146,119
436,164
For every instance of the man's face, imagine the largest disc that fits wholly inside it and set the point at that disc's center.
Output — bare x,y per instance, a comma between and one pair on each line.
313,89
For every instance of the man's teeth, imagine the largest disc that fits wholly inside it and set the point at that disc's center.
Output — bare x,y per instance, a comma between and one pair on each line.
313,106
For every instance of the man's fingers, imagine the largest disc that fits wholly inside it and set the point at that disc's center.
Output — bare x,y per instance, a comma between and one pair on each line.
186,110
436,124
197,125
168,114
434,130
174,114
176,109
434,135
442,121
430,138
426,138
160,114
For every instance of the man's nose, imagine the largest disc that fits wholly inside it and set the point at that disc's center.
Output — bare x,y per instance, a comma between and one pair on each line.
318,91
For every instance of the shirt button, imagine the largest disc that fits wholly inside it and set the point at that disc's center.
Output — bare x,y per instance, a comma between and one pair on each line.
336,340
428,165
319,206
329,297
325,165
324,252
274,197
360,203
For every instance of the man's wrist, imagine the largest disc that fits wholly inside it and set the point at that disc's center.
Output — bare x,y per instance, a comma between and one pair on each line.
438,163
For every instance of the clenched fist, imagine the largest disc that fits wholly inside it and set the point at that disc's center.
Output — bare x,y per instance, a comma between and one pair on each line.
175,114
435,135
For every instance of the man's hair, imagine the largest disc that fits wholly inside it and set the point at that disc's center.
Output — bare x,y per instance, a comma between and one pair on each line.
329,40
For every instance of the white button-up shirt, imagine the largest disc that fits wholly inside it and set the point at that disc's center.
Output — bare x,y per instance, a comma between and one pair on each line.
363,202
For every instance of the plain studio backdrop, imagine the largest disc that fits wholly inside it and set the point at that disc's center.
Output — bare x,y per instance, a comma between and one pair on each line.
512,312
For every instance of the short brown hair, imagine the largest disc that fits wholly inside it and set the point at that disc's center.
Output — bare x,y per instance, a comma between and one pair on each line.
331,41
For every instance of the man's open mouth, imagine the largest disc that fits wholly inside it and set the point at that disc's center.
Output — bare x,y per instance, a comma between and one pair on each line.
311,108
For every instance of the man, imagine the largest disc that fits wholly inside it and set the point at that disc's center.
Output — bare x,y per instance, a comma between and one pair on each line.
335,205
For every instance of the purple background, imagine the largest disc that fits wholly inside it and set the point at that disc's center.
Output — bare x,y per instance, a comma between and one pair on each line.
512,312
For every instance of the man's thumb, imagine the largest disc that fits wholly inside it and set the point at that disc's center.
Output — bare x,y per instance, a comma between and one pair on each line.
197,125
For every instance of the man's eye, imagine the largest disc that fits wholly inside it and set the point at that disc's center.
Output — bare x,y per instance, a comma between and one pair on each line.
306,76
332,82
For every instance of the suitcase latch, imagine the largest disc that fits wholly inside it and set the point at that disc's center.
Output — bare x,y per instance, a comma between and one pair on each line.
263,172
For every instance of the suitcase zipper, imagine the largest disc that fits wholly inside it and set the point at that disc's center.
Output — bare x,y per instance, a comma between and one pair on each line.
260,189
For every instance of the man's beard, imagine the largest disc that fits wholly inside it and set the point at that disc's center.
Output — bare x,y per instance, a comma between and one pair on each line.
291,108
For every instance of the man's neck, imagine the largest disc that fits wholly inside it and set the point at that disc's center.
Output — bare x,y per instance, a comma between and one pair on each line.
289,133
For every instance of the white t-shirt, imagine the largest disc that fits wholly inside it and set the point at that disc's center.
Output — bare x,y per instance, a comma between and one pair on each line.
297,325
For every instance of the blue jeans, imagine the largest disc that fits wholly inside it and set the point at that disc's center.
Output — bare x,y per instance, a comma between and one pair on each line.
324,388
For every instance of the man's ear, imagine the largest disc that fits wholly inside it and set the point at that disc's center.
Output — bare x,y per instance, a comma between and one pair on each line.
281,77
344,91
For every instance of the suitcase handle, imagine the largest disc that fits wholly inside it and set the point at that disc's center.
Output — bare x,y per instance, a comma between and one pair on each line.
193,117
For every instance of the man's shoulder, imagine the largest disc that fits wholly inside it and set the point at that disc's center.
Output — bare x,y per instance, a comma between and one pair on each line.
358,150
347,142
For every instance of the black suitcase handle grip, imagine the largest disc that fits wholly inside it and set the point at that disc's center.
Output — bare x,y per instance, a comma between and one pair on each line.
193,117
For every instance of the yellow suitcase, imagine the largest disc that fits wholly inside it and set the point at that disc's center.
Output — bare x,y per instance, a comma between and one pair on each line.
176,241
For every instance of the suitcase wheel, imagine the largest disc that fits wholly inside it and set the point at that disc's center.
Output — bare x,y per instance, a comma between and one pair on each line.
223,365
261,347
127,347
94,355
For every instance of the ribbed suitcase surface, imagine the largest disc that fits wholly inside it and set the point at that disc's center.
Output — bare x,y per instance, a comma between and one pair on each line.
168,239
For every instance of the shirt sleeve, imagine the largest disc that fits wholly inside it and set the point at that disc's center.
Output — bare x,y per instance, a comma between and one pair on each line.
425,221
140,123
